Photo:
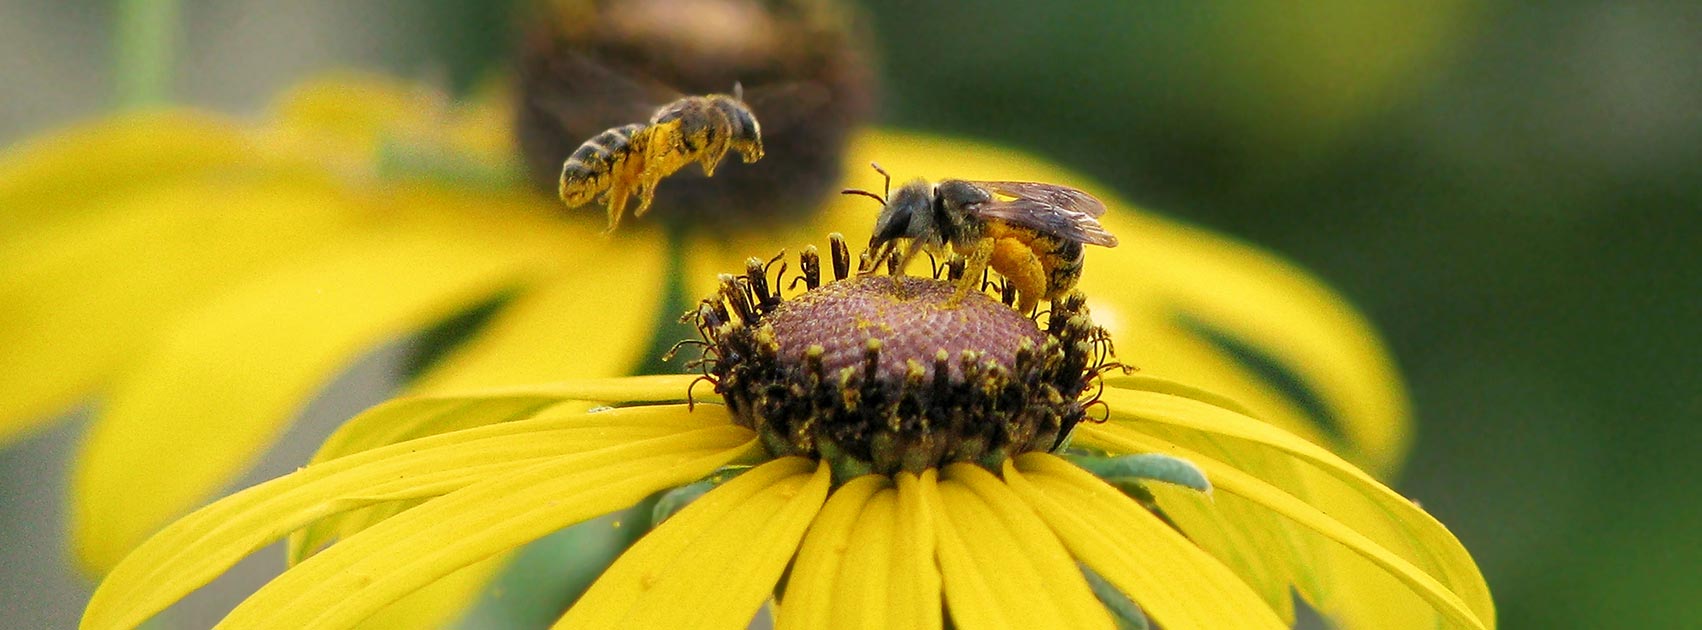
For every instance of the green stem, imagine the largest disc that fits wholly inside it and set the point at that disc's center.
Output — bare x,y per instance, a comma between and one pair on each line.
143,45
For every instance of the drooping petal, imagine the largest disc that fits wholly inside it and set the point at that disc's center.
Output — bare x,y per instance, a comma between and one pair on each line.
81,297
1028,548
370,570
1223,291
193,550
226,378
1175,583
1167,281
1231,480
714,563
1415,534
813,589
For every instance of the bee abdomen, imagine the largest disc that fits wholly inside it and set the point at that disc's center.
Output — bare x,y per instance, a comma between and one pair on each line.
586,172
605,145
1066,271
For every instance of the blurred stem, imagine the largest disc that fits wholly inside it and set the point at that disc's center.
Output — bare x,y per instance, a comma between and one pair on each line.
143,45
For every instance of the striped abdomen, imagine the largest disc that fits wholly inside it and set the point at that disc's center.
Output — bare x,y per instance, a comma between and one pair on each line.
587,172
1063,263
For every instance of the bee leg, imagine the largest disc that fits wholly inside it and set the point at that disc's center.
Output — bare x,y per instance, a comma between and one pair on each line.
712,158
909,255
873,258
979,256
617,207
646,193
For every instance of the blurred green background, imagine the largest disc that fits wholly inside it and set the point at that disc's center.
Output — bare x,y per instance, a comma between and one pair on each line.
1510,192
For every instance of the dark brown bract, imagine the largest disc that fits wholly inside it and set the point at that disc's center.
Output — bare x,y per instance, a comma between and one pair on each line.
879,374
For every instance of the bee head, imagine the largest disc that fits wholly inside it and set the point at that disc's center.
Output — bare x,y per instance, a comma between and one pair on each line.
905,215
746,132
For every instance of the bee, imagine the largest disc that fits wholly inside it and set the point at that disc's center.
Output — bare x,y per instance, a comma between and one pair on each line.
1031,233
630,160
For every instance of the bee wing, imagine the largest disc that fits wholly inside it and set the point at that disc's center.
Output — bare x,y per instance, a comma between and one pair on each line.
1059,210
779,106
1050,194
589,94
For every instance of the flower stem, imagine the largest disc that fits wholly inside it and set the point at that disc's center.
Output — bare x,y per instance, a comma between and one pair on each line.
146,32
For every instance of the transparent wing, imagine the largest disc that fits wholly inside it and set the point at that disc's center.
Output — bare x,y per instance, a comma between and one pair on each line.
1051,194
1058,210
583,93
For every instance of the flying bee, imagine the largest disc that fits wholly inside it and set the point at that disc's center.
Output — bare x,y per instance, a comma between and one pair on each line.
1031,233
630,160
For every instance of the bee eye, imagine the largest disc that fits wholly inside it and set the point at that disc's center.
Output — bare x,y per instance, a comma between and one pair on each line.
892,225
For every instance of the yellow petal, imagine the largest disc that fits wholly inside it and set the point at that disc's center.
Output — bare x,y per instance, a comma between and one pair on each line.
1427,543
227,377
430,414
970,594
82,296
1231,480
360,575
1010,539
861,588
1164,272
714,563
628,423
812,589
193,550
354,111
84,169
651,389
1175,583
914,586
593,319
437,604
1274,557
1274,308
1168,349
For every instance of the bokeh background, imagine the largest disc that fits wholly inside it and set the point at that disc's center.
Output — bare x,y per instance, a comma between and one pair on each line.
1512,193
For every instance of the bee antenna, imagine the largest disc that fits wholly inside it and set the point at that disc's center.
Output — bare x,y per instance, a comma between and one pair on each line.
884,174
738,91
865,193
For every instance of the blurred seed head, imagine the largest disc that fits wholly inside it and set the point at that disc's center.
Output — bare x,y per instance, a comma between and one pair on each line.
586,66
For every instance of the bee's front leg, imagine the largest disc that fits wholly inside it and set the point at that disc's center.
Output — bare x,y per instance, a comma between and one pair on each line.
711,158
617,207
976,264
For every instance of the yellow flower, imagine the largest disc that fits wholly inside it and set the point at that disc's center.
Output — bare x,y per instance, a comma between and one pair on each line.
152,253
861,492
